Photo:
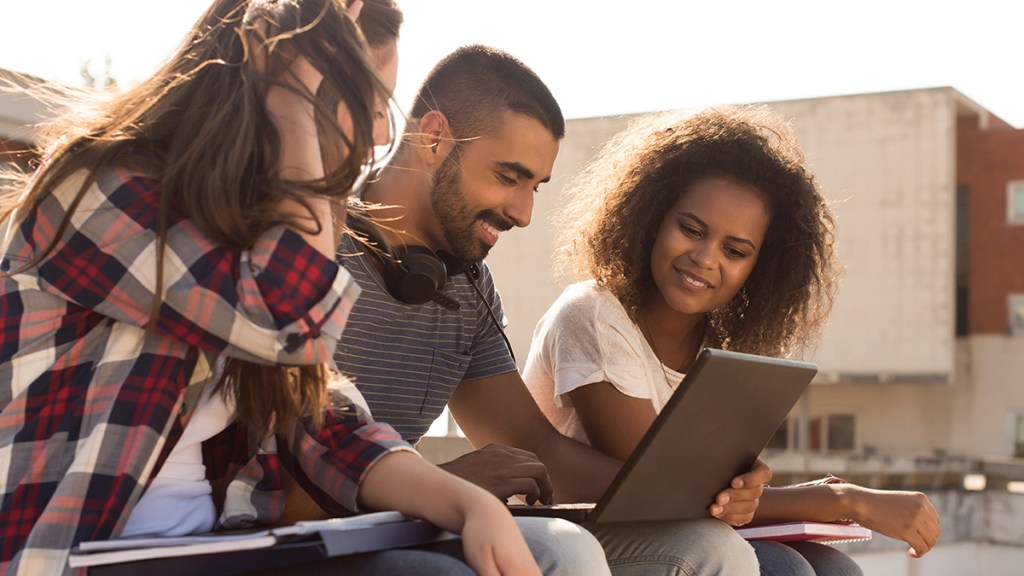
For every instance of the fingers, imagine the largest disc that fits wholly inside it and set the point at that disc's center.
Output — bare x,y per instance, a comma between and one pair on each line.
736,507
528,488
760,474
530,481
927,534
734,512
514,563
493,545
353,9
505,471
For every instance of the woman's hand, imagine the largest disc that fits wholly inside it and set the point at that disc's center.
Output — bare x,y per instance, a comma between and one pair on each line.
491,541
736,505
906,516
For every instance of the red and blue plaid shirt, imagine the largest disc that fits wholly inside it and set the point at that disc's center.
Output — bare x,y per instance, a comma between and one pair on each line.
93,396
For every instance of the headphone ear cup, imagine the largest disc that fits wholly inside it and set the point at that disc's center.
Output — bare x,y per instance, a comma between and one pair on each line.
421,277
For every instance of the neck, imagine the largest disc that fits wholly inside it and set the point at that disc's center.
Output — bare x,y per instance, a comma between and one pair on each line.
675,338
403,192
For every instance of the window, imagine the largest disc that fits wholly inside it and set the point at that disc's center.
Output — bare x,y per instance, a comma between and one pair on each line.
1015,307
1015,202
963,264
1018,435
833,432
840,432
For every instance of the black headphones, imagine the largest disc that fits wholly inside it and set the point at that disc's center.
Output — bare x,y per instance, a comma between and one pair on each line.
417,274
412,274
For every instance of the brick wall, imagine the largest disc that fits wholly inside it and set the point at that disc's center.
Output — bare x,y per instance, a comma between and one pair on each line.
986,160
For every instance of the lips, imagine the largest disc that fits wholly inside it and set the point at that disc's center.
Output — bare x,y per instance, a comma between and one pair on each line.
491,232
693,281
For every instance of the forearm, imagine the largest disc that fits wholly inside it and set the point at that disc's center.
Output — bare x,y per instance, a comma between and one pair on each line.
578,472
299,158
825,503
405,482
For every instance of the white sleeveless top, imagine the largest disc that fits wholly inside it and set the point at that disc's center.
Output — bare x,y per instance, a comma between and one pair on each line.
179,500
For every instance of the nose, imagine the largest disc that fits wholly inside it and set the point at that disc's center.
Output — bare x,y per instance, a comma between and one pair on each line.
520,207
702,254
381,127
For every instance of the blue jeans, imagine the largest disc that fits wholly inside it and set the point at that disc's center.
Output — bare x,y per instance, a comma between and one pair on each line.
803,559
559,547
562,548
407,562
683,548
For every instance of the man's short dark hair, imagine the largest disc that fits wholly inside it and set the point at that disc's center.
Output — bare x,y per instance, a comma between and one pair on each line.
475,84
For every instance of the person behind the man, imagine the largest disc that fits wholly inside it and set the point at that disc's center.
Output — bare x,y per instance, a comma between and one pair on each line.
483,134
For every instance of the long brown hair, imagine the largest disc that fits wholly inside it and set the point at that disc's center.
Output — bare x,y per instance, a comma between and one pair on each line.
200,127
609,226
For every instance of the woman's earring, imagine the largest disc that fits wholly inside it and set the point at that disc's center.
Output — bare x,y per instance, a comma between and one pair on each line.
744,300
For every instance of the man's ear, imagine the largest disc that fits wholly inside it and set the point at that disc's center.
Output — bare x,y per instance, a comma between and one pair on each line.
435,138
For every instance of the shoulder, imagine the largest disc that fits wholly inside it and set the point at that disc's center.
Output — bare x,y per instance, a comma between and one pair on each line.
588,299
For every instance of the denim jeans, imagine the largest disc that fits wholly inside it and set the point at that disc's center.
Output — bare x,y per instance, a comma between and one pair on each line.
400,561
679,548
803,559
559,547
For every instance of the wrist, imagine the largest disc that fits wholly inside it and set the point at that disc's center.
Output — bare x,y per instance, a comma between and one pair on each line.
850,502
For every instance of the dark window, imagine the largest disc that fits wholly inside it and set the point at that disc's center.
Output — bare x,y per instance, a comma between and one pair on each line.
841,432
1018,436
963,215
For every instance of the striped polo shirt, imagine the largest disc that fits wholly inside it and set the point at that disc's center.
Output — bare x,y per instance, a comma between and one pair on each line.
408,359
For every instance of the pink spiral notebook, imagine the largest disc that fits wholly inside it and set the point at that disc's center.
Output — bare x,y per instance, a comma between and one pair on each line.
821,532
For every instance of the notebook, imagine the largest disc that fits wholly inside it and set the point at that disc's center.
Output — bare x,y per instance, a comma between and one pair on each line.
820,532
712,429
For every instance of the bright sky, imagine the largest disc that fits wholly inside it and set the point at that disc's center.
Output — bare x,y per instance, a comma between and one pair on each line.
602,57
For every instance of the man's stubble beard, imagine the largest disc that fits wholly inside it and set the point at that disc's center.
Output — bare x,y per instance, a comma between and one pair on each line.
457,223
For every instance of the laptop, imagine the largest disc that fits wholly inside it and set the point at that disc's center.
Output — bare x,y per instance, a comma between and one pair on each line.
712,429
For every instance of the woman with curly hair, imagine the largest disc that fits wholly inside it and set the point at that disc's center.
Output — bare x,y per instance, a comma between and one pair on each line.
691,231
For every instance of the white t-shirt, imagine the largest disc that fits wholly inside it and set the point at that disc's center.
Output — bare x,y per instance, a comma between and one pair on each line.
584,338
179,500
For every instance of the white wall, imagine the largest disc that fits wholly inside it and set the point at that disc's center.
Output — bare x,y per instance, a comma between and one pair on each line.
887,162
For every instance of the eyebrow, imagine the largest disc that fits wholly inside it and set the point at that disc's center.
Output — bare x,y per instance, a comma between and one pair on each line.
693,216
521,170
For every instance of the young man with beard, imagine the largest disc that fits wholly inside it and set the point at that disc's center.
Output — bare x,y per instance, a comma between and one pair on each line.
483,134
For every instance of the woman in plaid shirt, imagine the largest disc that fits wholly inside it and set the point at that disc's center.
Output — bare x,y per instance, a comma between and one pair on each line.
169,300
